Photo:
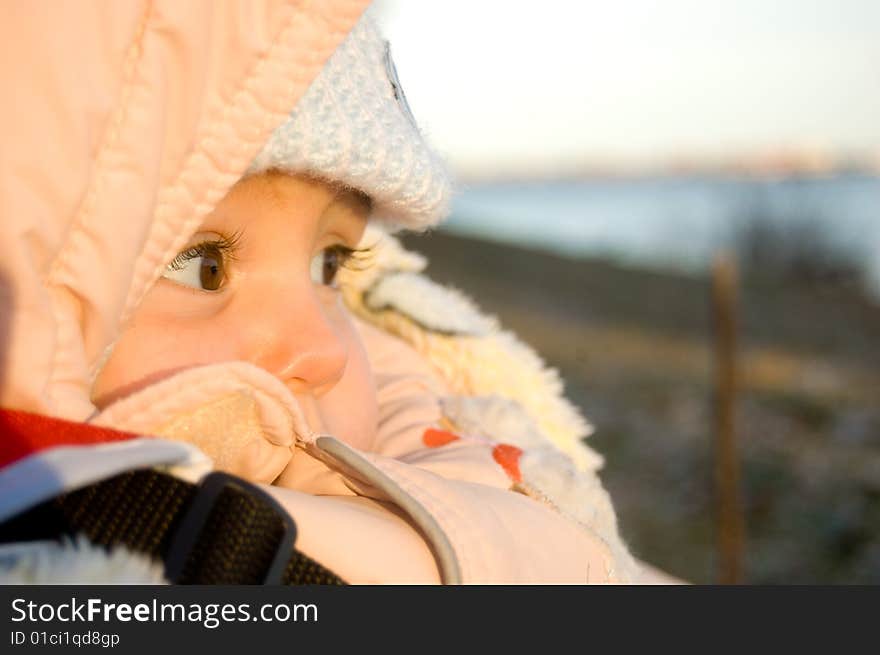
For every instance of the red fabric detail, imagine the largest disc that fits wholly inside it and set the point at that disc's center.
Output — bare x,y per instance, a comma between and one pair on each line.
23,434
508,457
434,438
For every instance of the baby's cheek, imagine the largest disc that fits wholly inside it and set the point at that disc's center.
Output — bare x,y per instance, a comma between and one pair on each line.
146,353
132,365
350,409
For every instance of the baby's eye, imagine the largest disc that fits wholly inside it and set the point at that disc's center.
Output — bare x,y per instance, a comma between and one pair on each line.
199,267
326,264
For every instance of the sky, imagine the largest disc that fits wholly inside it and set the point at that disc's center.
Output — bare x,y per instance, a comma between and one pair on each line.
554,84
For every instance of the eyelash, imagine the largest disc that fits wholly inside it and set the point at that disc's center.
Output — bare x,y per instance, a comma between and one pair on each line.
353,259
226,246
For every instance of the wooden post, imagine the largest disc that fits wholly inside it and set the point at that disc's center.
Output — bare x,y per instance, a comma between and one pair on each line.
731,523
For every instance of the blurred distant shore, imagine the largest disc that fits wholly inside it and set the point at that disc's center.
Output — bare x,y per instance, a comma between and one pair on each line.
815,228
772,163
634,348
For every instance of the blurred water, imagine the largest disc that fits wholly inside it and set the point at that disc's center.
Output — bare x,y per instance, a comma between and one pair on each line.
671,222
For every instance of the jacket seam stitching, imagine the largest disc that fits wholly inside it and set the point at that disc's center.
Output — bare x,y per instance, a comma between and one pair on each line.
109,143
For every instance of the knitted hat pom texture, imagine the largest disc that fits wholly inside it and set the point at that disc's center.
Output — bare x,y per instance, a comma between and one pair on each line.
353,127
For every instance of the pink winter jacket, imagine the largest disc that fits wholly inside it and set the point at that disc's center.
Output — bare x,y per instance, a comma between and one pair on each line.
126,123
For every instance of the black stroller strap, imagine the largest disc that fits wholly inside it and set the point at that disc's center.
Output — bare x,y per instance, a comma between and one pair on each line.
222,531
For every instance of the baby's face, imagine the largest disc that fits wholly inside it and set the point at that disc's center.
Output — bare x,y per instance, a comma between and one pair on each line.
257,284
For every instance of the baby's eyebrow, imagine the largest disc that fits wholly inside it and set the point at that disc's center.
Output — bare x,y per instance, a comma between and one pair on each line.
353,198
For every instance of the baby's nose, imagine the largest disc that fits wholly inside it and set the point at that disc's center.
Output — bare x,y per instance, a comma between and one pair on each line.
299,340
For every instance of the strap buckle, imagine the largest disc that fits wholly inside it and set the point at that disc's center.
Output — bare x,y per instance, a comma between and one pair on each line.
197,515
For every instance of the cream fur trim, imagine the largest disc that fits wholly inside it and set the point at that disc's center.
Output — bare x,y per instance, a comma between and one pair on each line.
437,308
503,390
490,362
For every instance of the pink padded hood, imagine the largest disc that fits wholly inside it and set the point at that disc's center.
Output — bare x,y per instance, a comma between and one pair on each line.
127,122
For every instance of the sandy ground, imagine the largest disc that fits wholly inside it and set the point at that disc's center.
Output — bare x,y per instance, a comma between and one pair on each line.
634,347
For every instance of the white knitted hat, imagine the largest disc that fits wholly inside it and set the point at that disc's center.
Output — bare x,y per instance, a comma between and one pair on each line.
353,126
